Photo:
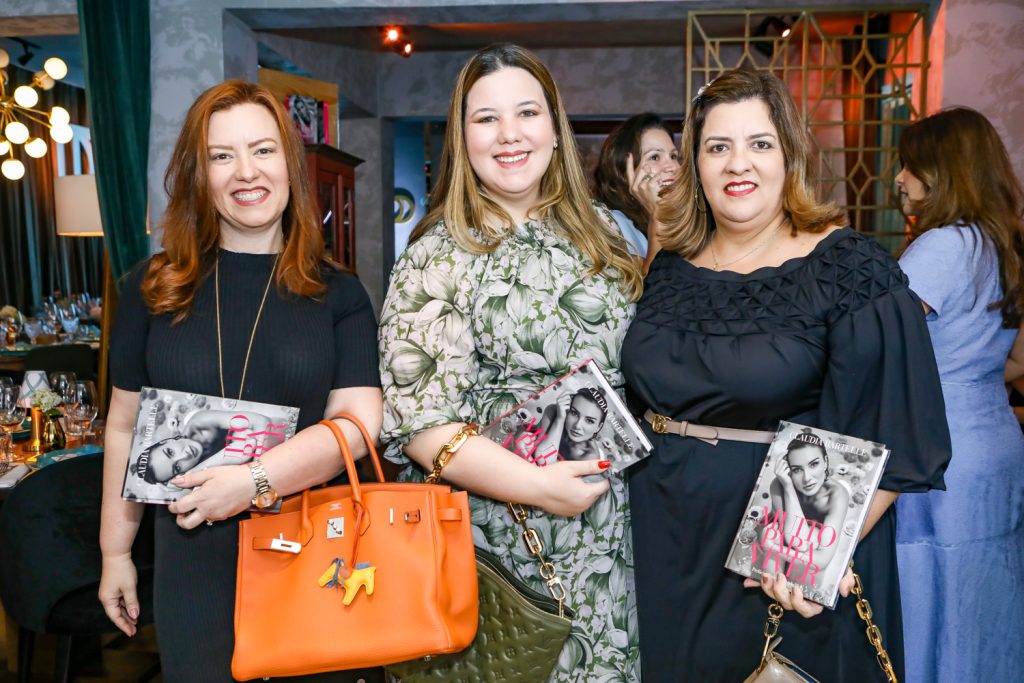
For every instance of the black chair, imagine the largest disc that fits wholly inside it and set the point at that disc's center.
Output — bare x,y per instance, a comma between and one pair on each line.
77,358
50,559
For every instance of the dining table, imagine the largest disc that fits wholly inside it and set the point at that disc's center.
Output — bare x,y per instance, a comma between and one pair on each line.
12,356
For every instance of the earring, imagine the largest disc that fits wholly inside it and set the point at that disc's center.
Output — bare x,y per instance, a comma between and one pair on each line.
698,199
556,143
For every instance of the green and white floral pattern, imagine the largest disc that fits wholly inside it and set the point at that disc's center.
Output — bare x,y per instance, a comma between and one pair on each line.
465,337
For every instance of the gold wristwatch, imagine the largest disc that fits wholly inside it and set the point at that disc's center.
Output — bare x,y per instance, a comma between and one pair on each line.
265,496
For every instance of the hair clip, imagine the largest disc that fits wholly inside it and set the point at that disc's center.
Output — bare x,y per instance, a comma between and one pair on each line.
701,89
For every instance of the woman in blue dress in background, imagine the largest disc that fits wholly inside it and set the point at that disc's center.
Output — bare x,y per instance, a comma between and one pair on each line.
961,551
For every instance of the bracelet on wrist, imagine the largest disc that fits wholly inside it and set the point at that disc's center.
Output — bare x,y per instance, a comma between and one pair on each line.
448,450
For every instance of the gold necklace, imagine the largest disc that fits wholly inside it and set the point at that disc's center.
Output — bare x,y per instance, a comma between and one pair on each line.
220,353
762,244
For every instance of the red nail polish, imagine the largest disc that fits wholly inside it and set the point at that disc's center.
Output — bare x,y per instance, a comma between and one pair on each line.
604,464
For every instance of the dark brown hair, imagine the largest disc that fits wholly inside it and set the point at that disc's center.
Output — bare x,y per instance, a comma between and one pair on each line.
958,156
611,185
683,209
191,227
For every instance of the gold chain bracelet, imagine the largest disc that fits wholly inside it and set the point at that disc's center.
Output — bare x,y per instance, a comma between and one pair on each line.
447,451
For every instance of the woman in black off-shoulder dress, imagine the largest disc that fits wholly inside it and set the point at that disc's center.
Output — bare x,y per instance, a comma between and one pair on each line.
813,324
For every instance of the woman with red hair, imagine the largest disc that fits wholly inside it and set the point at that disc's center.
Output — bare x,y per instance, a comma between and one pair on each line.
242,302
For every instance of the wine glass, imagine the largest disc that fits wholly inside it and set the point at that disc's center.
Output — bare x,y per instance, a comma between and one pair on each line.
11,414
80,407
15,322
60,381
70,326
51,315
33,328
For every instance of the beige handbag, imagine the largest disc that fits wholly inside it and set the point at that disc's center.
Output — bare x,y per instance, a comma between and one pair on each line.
774,668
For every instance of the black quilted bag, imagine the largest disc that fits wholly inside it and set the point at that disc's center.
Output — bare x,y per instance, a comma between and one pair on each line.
520,635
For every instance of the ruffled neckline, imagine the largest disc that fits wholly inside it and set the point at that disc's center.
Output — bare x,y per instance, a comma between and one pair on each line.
787,266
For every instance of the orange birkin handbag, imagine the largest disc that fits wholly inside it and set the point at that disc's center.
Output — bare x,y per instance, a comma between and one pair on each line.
354,576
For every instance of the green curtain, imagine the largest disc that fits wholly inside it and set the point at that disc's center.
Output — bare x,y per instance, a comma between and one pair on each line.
115,42
34,261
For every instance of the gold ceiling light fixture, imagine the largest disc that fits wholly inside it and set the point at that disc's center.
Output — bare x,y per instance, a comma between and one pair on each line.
18,105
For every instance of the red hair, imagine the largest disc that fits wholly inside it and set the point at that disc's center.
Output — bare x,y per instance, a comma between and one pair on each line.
191,227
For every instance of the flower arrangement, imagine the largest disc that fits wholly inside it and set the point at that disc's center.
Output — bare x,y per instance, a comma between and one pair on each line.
46,401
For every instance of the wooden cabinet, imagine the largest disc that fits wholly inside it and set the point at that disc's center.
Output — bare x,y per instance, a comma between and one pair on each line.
333,176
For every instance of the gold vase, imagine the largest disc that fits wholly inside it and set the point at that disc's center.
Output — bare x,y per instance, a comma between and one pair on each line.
53,434
35,444
47,434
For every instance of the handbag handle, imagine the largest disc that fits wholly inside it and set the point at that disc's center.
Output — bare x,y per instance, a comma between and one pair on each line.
771,629
306,525
353,477
374,458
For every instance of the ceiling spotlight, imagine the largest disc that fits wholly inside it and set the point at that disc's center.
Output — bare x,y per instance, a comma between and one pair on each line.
396,38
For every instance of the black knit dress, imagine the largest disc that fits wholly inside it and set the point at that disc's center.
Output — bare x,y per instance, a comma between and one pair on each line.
302,350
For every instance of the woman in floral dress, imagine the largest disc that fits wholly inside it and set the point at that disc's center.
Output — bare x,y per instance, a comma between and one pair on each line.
512,279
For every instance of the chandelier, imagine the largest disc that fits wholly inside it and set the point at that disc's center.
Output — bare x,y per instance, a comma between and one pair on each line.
19,105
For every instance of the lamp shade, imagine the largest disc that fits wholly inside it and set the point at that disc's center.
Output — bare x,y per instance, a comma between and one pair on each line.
77,206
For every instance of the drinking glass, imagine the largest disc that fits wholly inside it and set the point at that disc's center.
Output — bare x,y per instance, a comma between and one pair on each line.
80,407
60,382
33,328
11,414
17,321
70,326
51,315
6,452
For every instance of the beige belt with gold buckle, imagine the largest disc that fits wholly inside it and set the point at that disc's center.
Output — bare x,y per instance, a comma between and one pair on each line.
663,425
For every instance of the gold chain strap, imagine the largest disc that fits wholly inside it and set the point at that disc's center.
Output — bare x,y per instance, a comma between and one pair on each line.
874,634
531,538
771,628
536,548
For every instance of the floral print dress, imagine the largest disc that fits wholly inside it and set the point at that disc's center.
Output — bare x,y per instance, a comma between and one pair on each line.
464,338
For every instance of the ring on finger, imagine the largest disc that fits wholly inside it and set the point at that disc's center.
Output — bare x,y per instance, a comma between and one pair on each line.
209,522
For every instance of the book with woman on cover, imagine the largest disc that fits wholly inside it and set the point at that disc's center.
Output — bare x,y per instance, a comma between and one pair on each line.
579,416
176,432
807,510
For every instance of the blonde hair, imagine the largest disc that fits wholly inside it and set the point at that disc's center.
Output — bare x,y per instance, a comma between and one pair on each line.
683,211
564,197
